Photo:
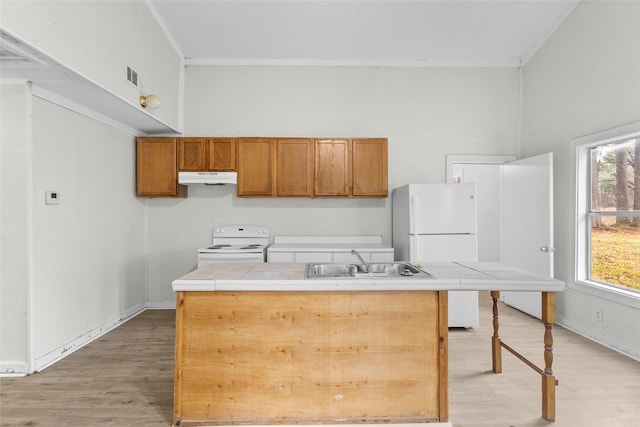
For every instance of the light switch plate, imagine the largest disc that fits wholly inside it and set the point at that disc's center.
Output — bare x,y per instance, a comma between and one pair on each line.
52,198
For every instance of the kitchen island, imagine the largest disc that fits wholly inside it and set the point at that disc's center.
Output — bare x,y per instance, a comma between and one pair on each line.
262,344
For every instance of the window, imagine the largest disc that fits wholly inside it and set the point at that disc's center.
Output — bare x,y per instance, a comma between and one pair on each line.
608,210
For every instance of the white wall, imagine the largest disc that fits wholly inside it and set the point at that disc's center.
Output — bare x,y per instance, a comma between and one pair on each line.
14,156
99,39
585,79
89,252
425,113
69,271
73,271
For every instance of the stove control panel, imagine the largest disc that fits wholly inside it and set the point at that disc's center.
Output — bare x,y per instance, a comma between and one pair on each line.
241,231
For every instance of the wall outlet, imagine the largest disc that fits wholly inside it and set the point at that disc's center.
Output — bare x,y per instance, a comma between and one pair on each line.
598,314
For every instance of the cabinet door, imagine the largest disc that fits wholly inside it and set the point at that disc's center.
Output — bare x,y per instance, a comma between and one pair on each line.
332,172
256,159
369,167
294,160
192,154
156,168
222,154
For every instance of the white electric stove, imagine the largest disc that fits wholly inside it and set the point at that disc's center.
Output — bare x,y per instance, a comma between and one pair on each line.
236,243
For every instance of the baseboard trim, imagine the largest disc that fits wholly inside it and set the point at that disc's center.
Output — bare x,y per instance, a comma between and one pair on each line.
161,305
601,339
60,353
13,369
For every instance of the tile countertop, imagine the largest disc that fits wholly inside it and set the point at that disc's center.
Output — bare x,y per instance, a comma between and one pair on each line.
291,277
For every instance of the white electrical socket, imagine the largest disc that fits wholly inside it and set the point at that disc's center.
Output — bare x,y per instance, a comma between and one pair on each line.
52,197
598,314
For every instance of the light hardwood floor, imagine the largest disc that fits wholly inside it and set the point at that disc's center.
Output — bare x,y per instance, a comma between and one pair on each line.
125,378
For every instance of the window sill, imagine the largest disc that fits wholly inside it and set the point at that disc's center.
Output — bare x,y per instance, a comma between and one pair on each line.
611,293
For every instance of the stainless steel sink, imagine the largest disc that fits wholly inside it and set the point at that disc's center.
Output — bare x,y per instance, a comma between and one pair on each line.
355,271
331,270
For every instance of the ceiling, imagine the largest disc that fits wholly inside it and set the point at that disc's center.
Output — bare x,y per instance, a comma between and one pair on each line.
418,33
441,33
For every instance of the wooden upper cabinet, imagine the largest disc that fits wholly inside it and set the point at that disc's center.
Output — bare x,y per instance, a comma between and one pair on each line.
332,167
294,167
256,173
222,154
369,167
156,168
267,167
192,154
207,154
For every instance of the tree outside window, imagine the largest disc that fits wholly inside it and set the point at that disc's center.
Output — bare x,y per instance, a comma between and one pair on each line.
614,214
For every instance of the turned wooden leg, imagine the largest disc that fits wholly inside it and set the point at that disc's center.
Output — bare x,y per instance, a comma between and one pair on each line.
548,379
496,343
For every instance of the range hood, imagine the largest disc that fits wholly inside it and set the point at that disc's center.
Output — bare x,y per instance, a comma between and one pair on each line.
208,178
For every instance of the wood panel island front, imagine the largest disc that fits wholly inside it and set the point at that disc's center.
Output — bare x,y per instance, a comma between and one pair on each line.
259,344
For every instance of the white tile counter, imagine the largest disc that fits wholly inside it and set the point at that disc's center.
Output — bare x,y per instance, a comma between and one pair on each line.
291,277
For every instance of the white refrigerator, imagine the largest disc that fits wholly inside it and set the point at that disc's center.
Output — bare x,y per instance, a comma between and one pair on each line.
436,223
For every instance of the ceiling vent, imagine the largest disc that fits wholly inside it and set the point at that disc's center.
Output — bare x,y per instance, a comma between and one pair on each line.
132,76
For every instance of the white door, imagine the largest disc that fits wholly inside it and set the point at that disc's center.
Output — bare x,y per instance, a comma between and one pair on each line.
527,224
524,187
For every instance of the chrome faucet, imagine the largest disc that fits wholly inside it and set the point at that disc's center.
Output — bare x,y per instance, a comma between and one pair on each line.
365,266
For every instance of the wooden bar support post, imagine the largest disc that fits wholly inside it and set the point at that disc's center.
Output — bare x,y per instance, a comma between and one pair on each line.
496,342
548,379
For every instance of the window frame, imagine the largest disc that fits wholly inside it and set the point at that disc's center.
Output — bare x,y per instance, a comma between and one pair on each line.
581,187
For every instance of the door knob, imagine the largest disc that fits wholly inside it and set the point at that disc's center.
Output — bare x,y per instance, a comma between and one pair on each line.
547,249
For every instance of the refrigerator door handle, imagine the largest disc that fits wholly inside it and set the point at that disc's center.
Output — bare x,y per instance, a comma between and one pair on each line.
412,217
413,231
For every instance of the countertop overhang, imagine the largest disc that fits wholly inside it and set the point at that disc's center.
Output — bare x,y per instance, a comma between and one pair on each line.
291,277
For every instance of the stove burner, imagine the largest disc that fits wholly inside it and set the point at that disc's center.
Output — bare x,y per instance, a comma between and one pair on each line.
250,247
218,246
